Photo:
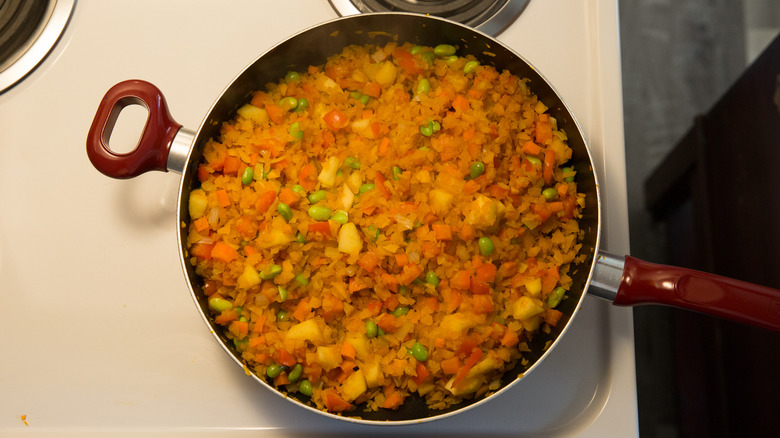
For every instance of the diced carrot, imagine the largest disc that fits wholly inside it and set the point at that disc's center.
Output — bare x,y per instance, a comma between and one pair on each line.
379,182
201,224
401,259
388,323
302,309
231,165
384,146
468,135
478,287
461,280
470,187
553,316
497,191
275,113
265,201
368,261
357,284
467,232
394,400
563,190
450,365
259,326
391,302
376,128
281,379
474,357
223,252
285,358
373,89
430,249
422,373
307,177
454,301
542,210
222,198
409,274
460,103
543,129
334,403
332,306
510,339
335,119
531,148
374,307
347,350
549,165
483,304
442,231
246,227
203,173
320,228
486,272
226,317
555,206
288,196
430,303
257,99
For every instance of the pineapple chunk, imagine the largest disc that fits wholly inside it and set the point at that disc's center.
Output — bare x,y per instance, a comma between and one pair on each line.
349,239
248,278
307,330
484,212
275,236
360,343
440,200
534,288
490,363
532,324
198,203
386,73
362,127
328,357
251,112
354,386
465,386
525,308
372,371
328,174
347,197
354,181
454,325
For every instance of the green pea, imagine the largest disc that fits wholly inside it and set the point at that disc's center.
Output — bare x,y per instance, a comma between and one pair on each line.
400,311
371,329
436,126
295,373
419,352
284,211
241,344
550,194
300,279
366,187
247,176
428,57
238,310
470,67
340,216
315,197
273,371
218,304
427,129
305,388
319,213
444,50
282,315
535,161
298,189
292,76
355,94
432,278
288,103
295,131
243,318
555,297
303,104
379,331
415,50
364,99
352,162
450,59
477,169
282,293
486,246
271,272
299,237
397,173
570,172
424,86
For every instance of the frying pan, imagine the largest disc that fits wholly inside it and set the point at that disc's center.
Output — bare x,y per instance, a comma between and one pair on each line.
166,146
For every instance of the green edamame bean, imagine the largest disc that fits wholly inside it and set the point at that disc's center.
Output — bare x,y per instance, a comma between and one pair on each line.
273,371
295,373
340,216
436,126
364,99
567,171
415,50
303,104
419,352
352,162
427,129
371,329
315,197
486,246
477,169
366,187
247,176
319,213
470,67
450,59
218,304
355,94
300,279
271,272
400,311
292,76
555,297
424,86
550,194
535,161
298,189
432,278
380,332
284,211
296,131
305,388
282,293
444,50
241,344
288,103
397,173
282,315
299,237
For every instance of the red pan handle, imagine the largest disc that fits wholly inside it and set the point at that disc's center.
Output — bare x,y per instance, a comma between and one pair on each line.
152,150
645,282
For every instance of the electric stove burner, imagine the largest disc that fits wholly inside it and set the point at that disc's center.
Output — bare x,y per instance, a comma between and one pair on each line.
28,31
489,16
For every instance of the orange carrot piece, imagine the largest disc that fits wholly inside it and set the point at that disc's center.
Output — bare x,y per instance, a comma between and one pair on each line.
468,135
320,228
388,323
334,403
384,146
461,280
288,196
531,148
409,274
470,187
510,339
379,182
307,177
474,357
553,316
222,198
275,113
357,284
483,304
549,165
401,259
543,129
460,103
450,365
223,252
265,201
232,165
373,89
347,350
374,307
467,232
394,400
486,272
442,231
202,250
391,283
422,373
201,224
369,261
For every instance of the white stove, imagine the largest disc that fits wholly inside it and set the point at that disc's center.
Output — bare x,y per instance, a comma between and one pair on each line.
99,335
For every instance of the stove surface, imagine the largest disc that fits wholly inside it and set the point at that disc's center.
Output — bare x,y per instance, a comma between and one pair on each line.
100,335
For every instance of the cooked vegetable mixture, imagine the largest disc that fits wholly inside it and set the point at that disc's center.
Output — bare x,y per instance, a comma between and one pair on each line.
399,220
